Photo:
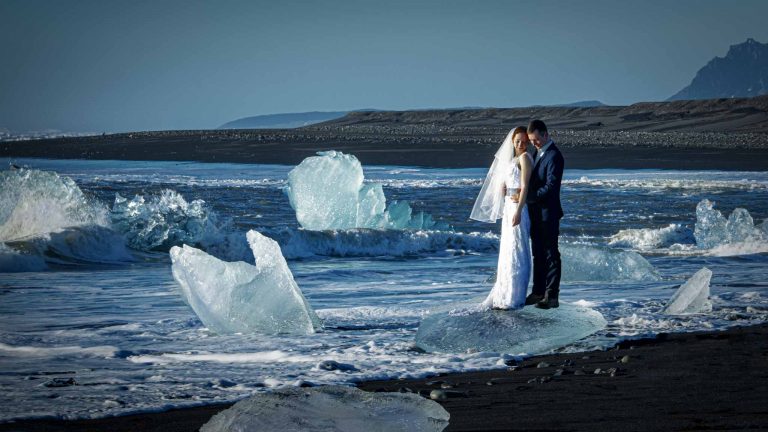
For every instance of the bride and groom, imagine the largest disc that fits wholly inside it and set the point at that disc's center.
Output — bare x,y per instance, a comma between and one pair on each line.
524,191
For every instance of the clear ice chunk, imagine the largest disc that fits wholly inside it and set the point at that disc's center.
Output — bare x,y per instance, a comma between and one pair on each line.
327,192
713,229
232,297
520,331
330,408
692,296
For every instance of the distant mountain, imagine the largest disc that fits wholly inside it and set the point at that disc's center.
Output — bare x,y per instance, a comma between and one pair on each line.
743,72
580,104
294,120
583,104
283,121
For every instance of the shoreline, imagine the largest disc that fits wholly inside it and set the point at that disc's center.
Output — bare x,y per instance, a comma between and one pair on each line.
723,134
630,158
675,381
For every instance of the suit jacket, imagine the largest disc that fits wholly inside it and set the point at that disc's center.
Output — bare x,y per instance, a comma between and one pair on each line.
544,186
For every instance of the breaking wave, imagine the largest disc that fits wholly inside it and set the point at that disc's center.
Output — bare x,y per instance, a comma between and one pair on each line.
713,234
373,242
46,218
652,238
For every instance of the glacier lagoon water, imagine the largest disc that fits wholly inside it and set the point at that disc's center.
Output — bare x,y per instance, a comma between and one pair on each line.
108,316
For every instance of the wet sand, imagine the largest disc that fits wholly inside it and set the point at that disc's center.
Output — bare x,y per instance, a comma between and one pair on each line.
685,381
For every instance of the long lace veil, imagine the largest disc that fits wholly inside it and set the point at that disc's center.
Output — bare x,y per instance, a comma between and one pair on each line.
489,205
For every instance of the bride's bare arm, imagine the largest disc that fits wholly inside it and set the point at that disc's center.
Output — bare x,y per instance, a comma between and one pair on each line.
525,176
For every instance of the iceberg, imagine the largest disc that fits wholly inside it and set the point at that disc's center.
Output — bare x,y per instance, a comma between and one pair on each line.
330,408
520,331
327,192
232,297
585,263
692,296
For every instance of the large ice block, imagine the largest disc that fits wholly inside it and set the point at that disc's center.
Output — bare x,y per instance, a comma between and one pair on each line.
231,297
521,331
327,192
692,296
330,408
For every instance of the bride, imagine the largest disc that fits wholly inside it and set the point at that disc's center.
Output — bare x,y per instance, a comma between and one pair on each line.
508,177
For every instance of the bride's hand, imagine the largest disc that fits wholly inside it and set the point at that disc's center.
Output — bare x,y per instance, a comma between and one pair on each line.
516,219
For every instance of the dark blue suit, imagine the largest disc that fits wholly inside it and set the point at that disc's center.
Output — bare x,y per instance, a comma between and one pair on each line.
545,212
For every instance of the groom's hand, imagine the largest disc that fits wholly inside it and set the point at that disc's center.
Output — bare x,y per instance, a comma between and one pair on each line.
516,197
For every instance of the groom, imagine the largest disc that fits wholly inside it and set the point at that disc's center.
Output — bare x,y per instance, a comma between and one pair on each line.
545,212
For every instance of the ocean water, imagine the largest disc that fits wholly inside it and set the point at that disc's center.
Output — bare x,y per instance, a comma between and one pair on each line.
93,326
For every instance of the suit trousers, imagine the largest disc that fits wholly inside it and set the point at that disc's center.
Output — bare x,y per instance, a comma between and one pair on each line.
546,257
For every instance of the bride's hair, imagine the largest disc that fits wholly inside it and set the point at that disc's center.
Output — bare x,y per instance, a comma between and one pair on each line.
515,131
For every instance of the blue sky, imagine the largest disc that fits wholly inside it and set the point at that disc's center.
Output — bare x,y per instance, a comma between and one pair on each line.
145,65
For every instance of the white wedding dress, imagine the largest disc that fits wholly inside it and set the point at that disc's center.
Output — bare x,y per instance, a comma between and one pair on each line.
514,268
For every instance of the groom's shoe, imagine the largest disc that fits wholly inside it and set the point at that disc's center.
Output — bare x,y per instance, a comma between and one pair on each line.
548,302
533,299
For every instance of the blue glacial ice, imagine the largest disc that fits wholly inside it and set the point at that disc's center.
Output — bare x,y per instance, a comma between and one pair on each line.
521,331
330,408
327,192
236,297
587,263
692,296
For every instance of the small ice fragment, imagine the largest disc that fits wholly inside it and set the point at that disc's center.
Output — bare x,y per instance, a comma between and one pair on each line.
330,408
692,296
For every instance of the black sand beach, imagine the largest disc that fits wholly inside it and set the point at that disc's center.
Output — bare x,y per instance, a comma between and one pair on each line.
686,381
724,134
